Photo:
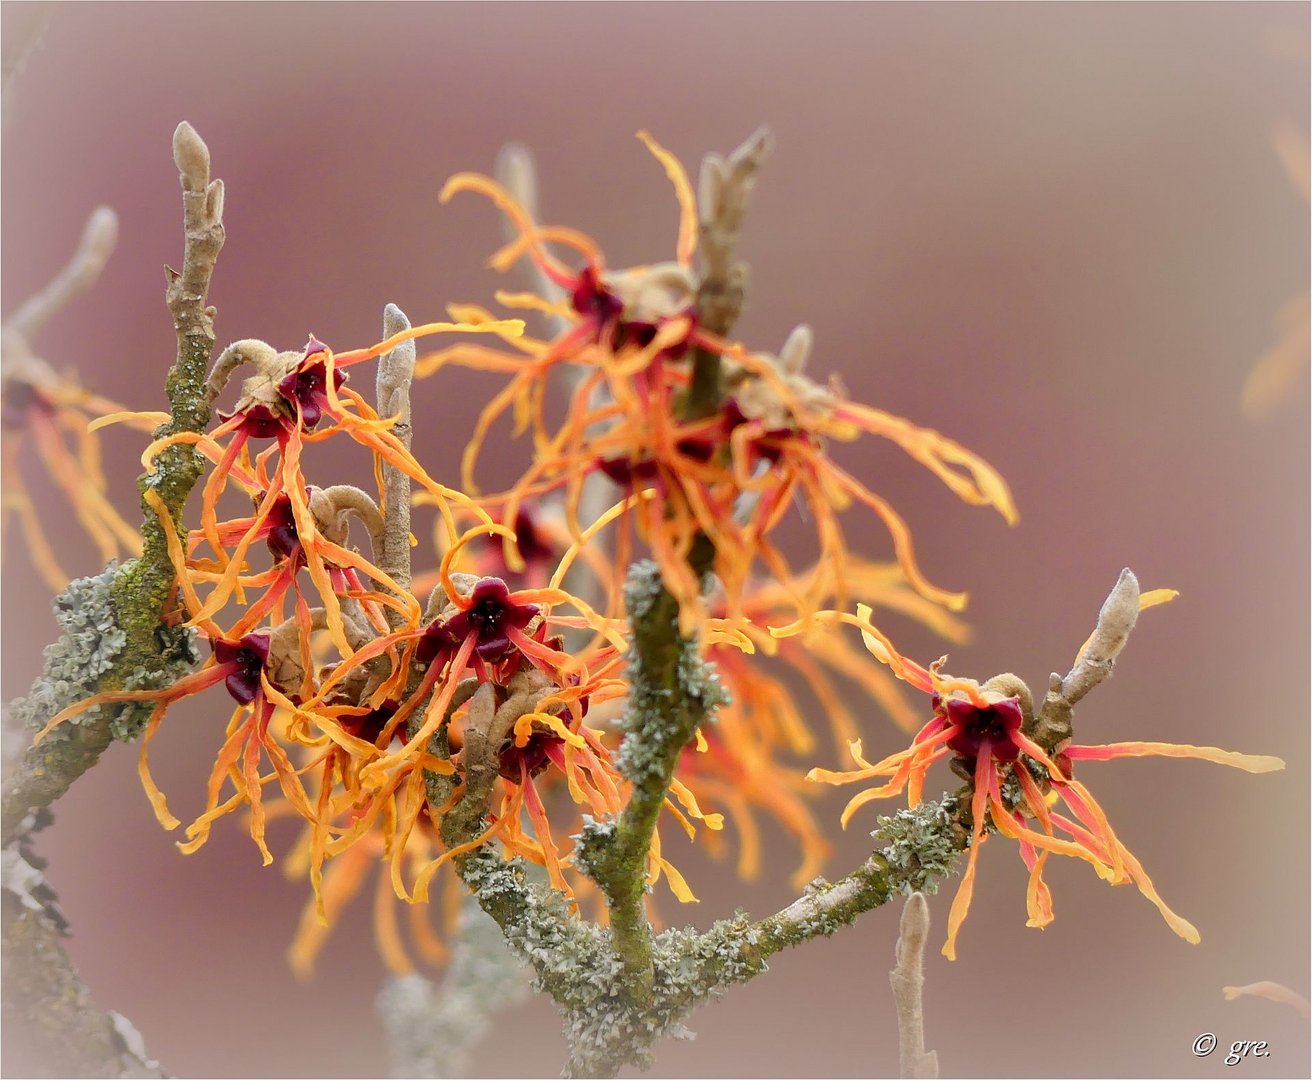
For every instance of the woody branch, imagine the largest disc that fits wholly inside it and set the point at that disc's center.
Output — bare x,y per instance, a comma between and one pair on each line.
44,993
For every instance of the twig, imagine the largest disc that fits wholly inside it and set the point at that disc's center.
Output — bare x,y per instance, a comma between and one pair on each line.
99,236
143,587
723,188
613,1019
22,35
908,981
1093,664
517,173
396,371
722,191
606,1029
129,648
113,638
19,362
671,692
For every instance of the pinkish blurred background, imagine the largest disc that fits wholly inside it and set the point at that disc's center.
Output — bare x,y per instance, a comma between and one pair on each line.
1058,233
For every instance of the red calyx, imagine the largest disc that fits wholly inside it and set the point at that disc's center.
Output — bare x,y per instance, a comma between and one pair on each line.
993,725
245,660
489,613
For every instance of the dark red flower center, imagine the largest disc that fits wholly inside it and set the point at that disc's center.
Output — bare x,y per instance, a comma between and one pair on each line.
307,386
283,539
532,756
489,615
625,472
260,422
368,726
994,726
529,538
593,300
768,444
244,661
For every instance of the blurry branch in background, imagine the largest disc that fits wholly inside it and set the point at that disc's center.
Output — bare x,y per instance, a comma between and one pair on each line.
99,236
53,1026
112,639
723,188
908,980
25,25
1272,991
432,1030
50,411
518,174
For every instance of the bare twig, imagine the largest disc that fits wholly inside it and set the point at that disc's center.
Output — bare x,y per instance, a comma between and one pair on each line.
18,361
722,200
672,691
908,980
1093,664
518,175
143,587
99,236
1120,611
614,1016
130,647
723,189
396,370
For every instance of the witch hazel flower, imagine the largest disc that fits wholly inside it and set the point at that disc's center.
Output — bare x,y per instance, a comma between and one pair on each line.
1019,765
275,524
247,668
776,421
286,399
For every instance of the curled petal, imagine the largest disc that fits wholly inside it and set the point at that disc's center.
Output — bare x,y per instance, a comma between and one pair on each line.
1253,763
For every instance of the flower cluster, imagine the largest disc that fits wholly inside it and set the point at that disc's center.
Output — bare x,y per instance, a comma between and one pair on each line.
1014,784
411,720
724,463
342,720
